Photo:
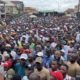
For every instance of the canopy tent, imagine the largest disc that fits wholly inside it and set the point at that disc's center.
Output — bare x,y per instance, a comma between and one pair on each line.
33,16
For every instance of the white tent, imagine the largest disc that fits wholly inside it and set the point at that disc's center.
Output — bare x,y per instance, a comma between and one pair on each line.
33,16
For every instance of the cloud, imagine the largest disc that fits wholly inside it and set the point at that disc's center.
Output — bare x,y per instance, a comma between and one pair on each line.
58,5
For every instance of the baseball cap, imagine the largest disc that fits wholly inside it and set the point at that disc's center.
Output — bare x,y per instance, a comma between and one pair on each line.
24,56
8,45
40,54
38,60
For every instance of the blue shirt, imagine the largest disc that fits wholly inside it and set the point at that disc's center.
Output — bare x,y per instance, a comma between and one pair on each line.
47,61
20,69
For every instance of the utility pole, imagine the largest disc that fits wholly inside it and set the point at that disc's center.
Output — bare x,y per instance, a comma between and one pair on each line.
0,9
79,6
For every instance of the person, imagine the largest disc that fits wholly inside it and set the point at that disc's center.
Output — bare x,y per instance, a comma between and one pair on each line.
1,77
7,61
40,70
2,72
57,56
78,37
57,75
28,70
54,66
73,65
64,70
47,59
19,67
9,74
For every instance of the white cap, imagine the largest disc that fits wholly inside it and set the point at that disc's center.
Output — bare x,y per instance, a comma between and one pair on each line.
24,56
8,45
40,54
53,45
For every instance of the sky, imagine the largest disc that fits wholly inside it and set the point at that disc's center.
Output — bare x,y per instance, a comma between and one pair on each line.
57,5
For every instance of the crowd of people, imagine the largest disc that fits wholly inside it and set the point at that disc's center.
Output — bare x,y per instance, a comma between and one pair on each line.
40,48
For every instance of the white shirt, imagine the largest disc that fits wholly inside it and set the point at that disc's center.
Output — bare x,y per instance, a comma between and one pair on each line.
25,78
13,54
67,77
78,37
53,45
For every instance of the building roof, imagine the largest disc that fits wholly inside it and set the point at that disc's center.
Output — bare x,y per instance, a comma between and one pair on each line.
16,2
8,3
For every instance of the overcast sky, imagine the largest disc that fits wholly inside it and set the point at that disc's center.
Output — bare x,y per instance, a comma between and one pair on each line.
59,5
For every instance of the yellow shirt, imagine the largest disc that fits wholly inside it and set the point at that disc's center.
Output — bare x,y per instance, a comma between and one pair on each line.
44,74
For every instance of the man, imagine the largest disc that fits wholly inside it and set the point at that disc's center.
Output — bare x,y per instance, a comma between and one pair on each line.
28,70
57,75
73,65
40,70
47,59
19,67
1,66
78,37
1,77
57,57
54,66
9,74
64,70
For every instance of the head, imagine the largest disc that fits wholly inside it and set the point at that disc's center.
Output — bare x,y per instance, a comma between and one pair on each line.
72,58
57,54
8,47
38,48
47,43
6,56
64,69
23,59
48,52
54,65
39,63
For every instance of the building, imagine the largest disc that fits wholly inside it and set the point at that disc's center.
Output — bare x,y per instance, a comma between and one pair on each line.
10,8
77,8
19,5
2,9
70,12
30,10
